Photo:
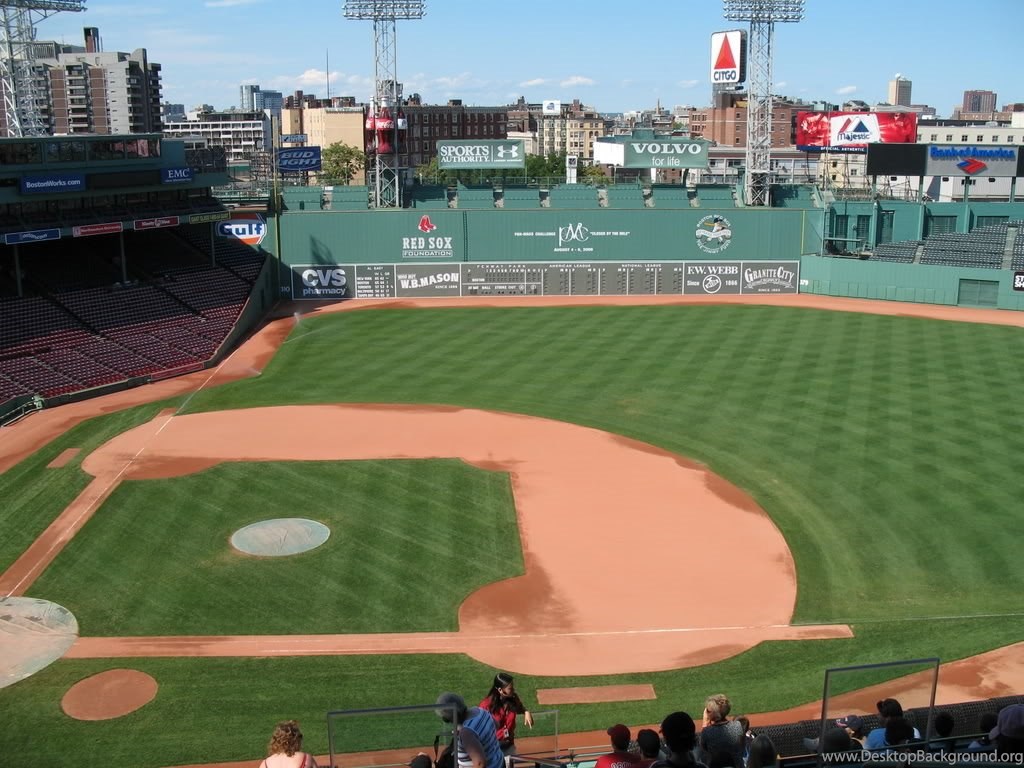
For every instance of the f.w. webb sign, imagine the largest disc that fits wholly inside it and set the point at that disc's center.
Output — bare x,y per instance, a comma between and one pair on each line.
504,153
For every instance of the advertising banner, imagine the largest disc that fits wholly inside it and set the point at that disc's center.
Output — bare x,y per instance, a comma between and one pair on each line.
666,152
293,138
428,280
52,183
1018,281
481,153
319,281
207,218
712,277
997,162
298,160
551,107
35,236
248,228
729,57
853,131
175,175
98,229
157,223
769,277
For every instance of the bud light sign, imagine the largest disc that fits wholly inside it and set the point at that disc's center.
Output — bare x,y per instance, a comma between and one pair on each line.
248,228
299,159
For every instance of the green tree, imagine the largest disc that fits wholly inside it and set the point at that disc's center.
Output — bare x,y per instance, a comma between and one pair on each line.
341,162
592,173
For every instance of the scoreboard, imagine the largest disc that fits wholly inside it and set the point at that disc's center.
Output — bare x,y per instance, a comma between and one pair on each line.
604,278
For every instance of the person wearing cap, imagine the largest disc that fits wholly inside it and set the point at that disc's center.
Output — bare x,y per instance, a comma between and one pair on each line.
621,757
649,744
680,735
719,732
888,709
1008,735
476,741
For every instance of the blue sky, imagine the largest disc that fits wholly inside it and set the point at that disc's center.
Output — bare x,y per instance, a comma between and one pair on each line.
614,55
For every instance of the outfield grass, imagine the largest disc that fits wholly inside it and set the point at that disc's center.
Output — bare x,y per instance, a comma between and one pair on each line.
887,449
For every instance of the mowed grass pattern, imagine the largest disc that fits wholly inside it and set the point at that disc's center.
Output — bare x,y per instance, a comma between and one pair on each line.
885,448
157,560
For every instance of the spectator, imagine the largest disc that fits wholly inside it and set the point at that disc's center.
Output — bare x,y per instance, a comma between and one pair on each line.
422,760
285,748
1008,735
649,744
680,735
763,753
898,732
983,743
942,727
841,747
620,757
887,709
476,741
851,725
722,758
748,735
504,704
718,731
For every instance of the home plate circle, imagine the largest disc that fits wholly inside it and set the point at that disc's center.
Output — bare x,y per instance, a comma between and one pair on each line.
280,537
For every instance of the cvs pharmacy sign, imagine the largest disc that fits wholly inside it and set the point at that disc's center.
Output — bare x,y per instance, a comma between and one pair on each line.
249,228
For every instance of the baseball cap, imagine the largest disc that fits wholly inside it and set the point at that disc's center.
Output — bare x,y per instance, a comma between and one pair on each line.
620,735
1010,723
853,722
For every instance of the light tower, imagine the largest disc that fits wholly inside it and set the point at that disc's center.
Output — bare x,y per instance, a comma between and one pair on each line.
384,119
762,15
17,81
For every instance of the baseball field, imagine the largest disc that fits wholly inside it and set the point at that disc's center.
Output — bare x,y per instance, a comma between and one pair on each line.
885,453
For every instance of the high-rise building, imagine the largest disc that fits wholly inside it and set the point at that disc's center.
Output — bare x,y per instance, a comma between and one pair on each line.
85,90
899,91
979,101
268,101
247,97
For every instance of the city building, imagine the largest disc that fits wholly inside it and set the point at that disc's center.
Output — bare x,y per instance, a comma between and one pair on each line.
240,134
572,131
979,101
327,125
172,113
82,89
252,98
899,91
726,123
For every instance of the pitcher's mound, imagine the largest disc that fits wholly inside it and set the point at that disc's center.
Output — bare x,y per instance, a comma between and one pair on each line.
109,694
280,537
33,634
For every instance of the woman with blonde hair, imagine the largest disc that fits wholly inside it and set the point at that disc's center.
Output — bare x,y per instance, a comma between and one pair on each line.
285,748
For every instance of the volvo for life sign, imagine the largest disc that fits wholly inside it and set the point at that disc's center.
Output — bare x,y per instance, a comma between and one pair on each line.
485,153
666,152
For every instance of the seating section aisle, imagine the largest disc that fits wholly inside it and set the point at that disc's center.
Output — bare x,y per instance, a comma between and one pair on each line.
902,252
85,327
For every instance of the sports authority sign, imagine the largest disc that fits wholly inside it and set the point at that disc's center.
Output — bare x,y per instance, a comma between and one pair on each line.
729,57
483,153
666,152
998,162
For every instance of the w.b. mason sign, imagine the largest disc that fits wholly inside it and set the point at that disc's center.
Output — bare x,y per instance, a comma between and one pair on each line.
666,152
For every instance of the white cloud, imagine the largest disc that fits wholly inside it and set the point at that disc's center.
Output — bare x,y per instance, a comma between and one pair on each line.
576,80
532,83
781,84
229,3
846,90
688,83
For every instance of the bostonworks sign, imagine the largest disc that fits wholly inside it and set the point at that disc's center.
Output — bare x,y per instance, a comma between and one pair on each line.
666,152
481,154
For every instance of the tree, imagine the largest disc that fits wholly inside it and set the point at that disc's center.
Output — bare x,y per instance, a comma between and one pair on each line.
341,162
593,173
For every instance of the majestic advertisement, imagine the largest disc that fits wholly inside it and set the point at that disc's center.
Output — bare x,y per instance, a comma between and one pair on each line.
853,131
298,160
481,153
52,183
666,152
34,236
554,278
998,162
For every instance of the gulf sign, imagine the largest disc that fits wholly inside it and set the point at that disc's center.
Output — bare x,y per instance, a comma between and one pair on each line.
298,159
853,131
248,228
729,57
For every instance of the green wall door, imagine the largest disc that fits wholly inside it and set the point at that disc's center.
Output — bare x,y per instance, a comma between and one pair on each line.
978,293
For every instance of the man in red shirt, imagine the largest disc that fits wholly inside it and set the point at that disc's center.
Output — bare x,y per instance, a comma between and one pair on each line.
621,757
